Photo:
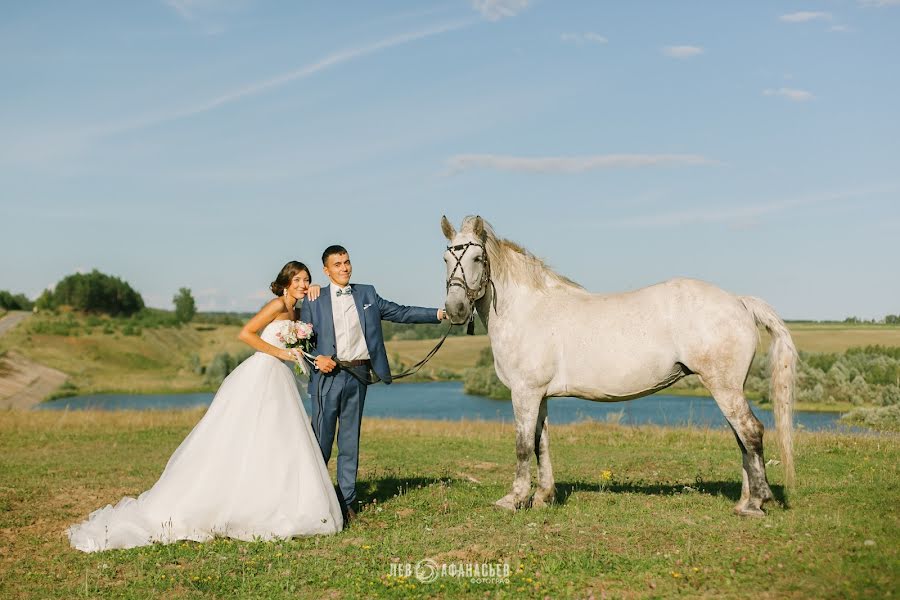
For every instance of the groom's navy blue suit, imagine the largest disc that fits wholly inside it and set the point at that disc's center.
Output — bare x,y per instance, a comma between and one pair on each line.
342,395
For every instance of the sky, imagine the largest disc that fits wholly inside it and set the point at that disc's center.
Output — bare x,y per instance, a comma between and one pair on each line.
204,143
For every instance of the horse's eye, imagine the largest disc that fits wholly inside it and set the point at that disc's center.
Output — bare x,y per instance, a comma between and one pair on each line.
477,259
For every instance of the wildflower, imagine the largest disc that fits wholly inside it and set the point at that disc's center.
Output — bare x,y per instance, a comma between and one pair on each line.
676,574
606,475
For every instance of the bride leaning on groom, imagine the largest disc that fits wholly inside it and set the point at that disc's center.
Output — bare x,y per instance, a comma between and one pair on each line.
255,467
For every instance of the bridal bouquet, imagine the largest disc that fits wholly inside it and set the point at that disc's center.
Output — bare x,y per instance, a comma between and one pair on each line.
296,334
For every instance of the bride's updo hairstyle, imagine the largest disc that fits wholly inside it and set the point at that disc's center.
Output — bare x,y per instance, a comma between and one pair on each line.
286,275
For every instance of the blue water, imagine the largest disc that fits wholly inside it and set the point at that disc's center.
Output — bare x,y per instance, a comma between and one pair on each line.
446,401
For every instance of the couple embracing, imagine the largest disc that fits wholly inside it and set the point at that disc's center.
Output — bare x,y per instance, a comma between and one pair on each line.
254,467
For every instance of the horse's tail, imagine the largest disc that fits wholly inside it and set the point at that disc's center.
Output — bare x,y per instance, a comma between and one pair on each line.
783,365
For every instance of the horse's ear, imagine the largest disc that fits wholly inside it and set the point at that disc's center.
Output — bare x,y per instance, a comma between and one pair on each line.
447,228
478,227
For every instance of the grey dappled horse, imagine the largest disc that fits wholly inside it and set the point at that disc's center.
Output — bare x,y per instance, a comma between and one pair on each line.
551,337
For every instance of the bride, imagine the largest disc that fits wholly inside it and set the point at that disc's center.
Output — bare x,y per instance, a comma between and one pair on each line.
250,469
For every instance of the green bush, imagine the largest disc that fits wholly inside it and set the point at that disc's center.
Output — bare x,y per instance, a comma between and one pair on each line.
223,364
482,380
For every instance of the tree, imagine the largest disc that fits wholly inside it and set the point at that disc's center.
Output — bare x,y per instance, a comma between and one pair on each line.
99,293
892,320
185,307
45,301
14,301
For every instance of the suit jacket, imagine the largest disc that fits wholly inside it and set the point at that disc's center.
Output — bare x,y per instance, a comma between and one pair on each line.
372,309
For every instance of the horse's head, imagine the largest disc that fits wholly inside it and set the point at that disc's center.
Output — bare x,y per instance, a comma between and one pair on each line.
468,269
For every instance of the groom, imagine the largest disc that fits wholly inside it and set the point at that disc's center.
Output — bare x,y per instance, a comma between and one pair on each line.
349,344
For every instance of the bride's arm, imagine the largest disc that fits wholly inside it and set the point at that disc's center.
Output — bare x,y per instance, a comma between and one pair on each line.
250,331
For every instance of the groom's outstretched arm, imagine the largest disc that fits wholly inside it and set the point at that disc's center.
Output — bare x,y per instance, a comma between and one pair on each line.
398,313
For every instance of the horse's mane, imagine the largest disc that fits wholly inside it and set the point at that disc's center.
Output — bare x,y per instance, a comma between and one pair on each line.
511,261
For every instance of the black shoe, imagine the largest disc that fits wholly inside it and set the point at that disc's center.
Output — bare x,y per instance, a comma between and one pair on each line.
350,515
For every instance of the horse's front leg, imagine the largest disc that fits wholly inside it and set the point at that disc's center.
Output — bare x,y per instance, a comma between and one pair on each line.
546,490
526,408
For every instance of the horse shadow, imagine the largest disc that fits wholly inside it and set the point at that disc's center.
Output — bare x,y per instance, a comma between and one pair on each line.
727,489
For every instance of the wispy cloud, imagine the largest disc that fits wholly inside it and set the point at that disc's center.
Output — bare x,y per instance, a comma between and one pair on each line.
494,10
258,87
682,51
805,17
575,164
581,39
792,94
879,3
740,216
194,9
207,14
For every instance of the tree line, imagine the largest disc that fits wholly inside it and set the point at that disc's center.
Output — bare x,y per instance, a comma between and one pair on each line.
97,293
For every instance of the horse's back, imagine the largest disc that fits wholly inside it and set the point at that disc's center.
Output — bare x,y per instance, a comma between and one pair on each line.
629,344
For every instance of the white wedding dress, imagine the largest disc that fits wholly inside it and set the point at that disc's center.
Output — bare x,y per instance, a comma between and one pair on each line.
250,469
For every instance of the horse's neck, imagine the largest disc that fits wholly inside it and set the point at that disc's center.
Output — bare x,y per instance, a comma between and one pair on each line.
496,316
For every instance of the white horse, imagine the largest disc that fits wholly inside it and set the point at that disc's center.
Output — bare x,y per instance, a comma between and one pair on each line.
550,337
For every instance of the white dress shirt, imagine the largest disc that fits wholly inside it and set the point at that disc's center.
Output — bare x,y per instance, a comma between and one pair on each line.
350,343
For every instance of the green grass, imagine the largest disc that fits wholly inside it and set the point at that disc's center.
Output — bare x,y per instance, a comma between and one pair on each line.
660,526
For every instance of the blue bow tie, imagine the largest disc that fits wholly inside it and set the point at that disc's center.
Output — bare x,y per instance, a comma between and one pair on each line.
344,292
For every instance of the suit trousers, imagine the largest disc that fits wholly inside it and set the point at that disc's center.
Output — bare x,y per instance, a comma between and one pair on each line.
339,409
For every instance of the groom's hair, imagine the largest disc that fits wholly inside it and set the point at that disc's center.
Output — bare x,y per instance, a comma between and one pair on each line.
332,250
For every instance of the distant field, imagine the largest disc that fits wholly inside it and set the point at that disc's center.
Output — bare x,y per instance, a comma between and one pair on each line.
158,360
813,337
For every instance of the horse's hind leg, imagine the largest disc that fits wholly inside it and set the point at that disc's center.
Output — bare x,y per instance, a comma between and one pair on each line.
546,487
748,431
526,409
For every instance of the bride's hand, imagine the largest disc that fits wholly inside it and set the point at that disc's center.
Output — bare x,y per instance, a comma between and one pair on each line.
313,292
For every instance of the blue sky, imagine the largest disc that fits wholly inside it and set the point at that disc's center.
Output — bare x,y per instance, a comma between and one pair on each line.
203,143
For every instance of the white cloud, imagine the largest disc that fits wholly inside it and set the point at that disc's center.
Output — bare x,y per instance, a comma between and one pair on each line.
494,10
743,216
574,164
805,16
790,93
583,38
682,51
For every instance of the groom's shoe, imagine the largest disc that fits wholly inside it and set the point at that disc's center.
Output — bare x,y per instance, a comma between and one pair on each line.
350,515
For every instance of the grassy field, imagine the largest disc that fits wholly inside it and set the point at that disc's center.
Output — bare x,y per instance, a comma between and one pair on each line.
643,512
158,360
837,337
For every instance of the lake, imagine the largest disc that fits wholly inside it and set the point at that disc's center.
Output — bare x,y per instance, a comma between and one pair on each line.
446,401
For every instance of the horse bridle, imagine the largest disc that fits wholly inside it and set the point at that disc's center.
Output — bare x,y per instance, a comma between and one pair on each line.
472,294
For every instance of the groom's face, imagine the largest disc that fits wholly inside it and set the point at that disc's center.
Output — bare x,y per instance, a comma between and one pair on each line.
338,268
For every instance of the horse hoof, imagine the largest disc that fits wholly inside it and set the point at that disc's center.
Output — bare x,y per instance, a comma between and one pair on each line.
507,503
748,511
541,501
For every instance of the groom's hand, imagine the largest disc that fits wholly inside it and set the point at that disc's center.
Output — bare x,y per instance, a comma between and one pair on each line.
325,364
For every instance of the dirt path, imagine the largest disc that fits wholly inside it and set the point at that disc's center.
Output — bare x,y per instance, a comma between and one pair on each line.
24,383
12,319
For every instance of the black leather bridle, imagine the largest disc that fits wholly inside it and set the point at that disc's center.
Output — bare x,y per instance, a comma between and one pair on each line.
472,293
